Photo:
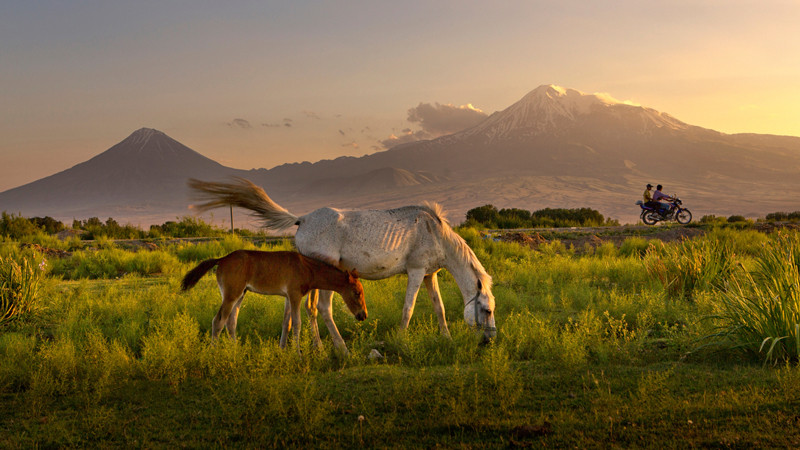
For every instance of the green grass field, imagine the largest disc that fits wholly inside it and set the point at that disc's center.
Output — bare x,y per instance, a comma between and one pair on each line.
685,344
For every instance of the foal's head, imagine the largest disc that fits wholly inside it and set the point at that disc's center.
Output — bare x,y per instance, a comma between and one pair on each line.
353,295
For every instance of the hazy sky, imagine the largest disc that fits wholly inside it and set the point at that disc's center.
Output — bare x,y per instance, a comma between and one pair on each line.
260,83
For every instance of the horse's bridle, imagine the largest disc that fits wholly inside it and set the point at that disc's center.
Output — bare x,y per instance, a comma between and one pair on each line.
477,323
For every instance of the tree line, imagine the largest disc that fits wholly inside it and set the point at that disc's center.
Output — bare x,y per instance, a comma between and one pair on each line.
15,226
486,216
490,217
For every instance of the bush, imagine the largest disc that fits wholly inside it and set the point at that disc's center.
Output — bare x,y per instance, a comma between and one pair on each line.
186,227
486,215
712,219
93,228
48,224
490,217
16,227
777,216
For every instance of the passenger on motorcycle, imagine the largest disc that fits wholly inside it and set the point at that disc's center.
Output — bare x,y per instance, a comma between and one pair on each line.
648,197
658,196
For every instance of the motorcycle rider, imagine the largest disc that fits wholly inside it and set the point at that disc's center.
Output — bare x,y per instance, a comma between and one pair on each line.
658,196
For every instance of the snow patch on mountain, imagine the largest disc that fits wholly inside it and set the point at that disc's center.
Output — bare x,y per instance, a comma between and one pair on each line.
550,109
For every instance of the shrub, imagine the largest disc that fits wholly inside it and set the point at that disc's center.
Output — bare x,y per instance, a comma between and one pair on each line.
486,215
712,219
16,227
777,216
186,227
48,224
490,217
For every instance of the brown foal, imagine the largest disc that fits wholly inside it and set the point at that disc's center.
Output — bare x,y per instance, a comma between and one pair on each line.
289,274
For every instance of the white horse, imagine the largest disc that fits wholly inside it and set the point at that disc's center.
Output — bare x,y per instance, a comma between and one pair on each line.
415,240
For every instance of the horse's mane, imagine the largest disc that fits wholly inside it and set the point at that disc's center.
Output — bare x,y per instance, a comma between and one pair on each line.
457,243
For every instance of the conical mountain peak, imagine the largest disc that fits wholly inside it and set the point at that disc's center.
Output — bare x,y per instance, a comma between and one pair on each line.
145,140
143,135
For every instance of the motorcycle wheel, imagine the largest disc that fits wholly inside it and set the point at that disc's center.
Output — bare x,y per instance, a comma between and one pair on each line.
684,216
650,217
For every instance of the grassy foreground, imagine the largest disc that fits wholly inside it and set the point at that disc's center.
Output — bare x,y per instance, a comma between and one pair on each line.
599,349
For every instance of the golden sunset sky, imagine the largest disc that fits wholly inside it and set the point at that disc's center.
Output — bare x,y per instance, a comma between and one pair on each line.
260,83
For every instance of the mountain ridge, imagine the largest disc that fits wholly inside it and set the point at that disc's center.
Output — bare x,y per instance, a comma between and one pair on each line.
555,147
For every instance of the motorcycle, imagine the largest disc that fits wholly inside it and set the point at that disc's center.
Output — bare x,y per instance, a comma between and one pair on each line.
651,215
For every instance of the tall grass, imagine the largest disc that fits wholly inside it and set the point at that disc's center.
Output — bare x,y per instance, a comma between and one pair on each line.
112,262
19,285
691,266
564,319
761,314
195,252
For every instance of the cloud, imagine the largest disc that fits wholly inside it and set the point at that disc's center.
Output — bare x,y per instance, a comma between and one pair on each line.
405,137
439,120
240,123
436,120
353,144
311,115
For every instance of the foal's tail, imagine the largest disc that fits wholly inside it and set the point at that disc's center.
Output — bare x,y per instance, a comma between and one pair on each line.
195,274
243,194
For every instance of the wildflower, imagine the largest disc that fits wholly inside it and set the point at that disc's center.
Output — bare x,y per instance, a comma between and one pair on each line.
43,264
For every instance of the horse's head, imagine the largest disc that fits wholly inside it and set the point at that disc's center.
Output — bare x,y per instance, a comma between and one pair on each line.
353,295
479,311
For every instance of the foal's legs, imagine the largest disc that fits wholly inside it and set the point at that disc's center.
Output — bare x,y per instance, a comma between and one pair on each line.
233,318
295,300
415,278
287,322
432,284
230,299
311,311
324,306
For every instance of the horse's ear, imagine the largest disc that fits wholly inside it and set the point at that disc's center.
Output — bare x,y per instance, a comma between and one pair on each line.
480,286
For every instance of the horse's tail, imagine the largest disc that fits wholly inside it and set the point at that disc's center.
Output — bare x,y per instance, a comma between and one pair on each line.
243,194
195,274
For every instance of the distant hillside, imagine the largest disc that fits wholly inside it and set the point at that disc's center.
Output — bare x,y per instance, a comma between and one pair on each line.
555,147
144,175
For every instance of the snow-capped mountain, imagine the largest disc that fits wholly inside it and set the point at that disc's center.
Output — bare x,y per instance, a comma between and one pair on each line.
554,110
